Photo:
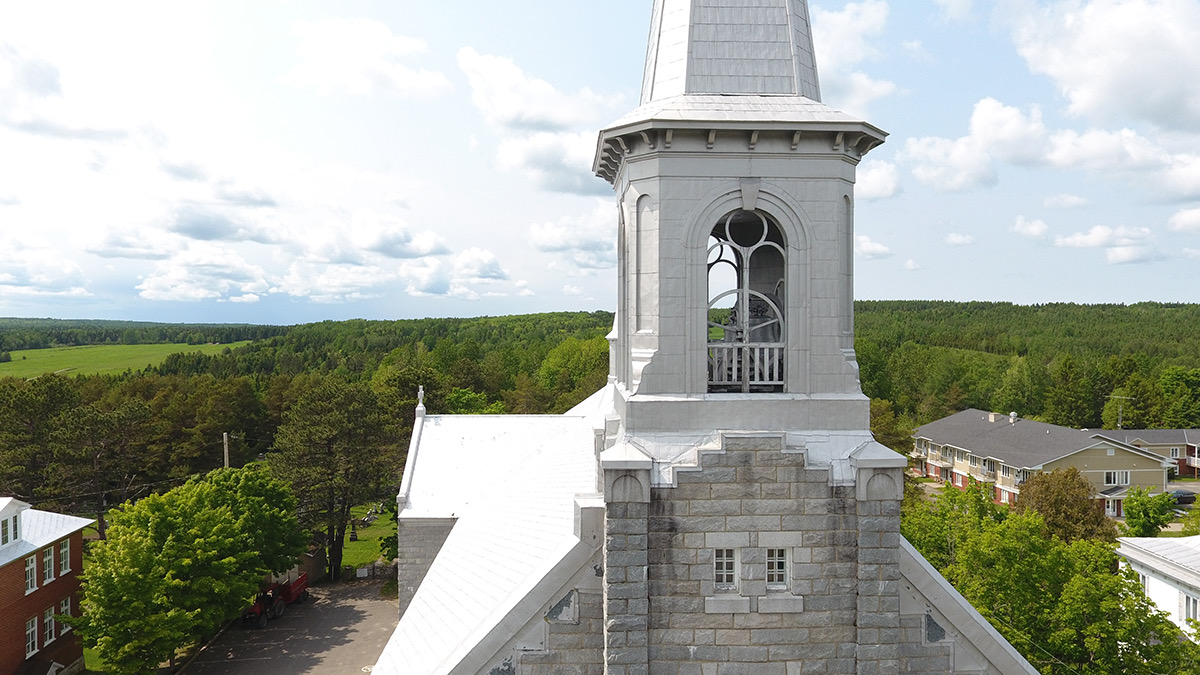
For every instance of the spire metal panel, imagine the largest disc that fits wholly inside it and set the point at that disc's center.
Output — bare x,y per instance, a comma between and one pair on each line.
730,47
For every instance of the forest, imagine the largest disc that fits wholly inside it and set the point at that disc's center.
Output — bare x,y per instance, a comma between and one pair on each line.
82,443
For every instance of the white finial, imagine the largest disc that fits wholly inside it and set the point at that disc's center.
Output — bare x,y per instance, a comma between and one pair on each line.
421,395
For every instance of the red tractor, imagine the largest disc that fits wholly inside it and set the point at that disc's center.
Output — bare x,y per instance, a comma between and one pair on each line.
275,597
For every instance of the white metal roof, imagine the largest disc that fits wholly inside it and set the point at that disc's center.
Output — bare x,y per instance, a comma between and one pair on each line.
38,529
1175,557
510,481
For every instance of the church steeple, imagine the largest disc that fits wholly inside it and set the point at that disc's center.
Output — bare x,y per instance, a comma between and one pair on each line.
736,236
714,47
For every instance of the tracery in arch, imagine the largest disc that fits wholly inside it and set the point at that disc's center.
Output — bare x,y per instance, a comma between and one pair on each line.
747,261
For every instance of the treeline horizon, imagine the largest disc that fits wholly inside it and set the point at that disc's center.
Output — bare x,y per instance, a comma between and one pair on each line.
83,443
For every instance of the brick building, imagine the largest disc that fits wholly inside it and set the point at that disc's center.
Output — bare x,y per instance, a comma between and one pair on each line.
41,554
720,507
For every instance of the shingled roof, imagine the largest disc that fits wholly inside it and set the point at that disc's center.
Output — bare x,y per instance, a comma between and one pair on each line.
1015,441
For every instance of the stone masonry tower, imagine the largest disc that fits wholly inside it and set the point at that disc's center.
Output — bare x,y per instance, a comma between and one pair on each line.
752,521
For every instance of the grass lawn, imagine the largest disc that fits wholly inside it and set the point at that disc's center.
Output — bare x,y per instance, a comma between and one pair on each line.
97,359
366,550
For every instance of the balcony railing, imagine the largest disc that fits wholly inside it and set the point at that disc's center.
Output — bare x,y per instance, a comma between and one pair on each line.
745,367
1193,461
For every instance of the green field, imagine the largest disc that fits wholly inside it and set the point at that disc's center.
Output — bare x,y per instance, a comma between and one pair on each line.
92,359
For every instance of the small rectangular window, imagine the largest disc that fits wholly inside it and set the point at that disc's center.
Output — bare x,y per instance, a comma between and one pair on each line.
724,569
64,557
16,527
1006,471
48,626
1116,478
31,637
3,532
64,609
1191,607
1174,453
777,568
30,574
48,565
974,462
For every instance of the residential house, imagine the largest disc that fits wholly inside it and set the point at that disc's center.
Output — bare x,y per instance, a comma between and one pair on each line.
1169,569
1001,451
720,506
1182,446
41,554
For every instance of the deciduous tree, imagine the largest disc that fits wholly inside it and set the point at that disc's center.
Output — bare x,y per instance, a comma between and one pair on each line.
1063,497
178,565
1146,514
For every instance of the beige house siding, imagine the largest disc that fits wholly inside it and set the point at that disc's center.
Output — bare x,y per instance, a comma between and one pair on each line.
1095,462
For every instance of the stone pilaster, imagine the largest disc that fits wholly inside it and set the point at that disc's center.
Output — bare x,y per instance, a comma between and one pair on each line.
878,619
626,587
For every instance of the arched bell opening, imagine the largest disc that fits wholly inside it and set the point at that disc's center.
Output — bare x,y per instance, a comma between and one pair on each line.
747,262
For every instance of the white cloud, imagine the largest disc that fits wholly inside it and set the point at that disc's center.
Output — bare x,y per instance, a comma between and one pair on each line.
1117,59
916,51
1121,244
1034,229
911,265
955,10
1192,252
877,179
509,98
202,271
477,264
846,38
869,249
582,242
1064,201
555,161
360,56
1000,133
957,239
1185,220
572,290
949,165
33,271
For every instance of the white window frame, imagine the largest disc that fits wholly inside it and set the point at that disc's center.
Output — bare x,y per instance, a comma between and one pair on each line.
31,634
1004,497
777,569
1116,477
16,527
1174,453
48,626
47,565
1006,471
64,609
64,557
973,460
1110,507
960,455
1191,607
30,574
3,531
725,569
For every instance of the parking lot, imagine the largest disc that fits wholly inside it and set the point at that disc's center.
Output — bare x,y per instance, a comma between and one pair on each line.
342,628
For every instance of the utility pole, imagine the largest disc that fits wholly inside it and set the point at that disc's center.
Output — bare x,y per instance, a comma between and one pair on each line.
1120,408
225,438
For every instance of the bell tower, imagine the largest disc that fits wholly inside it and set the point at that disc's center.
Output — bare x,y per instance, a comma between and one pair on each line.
736,202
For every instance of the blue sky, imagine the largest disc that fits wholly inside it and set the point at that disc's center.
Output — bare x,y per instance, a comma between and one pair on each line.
288,161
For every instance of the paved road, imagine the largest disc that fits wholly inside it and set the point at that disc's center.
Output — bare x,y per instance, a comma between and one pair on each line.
341,629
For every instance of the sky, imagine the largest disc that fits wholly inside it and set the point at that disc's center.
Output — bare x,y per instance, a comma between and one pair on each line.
285,161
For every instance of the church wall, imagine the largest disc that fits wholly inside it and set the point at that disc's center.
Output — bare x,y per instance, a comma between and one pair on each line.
573,647
418,544
750,498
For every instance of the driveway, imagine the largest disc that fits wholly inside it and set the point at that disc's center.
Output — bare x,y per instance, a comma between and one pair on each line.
341,629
